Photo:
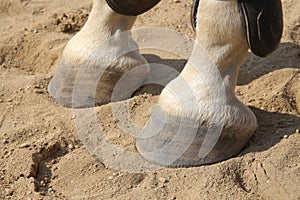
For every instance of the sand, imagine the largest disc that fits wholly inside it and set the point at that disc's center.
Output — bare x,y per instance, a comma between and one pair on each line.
42,156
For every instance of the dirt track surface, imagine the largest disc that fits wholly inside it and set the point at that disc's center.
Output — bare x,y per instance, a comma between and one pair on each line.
41,156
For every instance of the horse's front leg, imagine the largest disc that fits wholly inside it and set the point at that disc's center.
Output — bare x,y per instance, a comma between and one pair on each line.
100,54
198,119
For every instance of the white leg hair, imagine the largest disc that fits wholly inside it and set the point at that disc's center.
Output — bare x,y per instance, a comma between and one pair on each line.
98,47
220,35
219,50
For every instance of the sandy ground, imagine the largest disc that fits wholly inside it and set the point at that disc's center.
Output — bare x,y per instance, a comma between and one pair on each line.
43,158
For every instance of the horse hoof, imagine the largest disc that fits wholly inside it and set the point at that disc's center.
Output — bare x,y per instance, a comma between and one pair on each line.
96,58
186,130
86,85
177,142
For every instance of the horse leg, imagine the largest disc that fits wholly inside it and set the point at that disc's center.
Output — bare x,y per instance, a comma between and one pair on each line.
99,55
198,119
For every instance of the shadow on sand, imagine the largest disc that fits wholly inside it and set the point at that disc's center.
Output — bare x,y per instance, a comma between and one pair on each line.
272,128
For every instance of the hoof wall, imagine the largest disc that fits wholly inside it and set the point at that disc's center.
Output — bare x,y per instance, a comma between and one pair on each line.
91,86
174,142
